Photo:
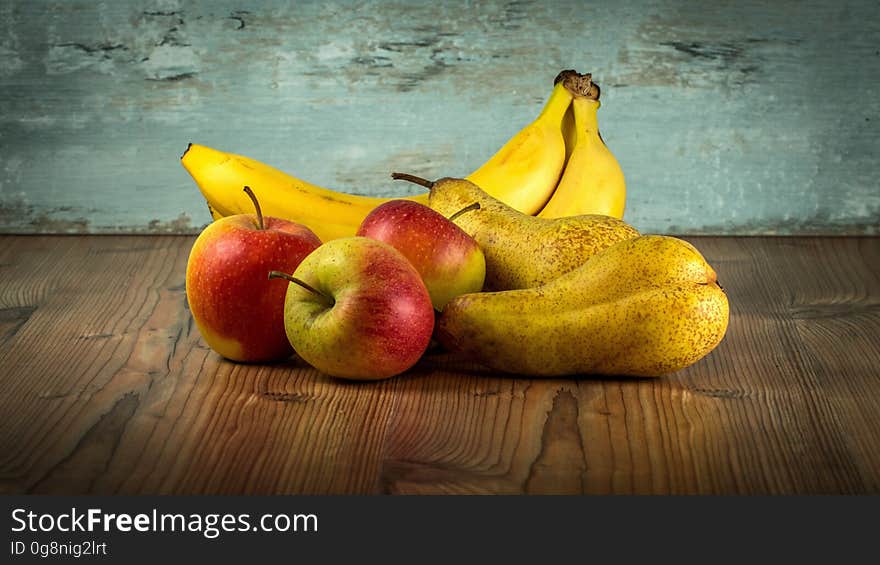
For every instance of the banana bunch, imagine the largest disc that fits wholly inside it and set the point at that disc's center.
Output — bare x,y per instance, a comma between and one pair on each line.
557,166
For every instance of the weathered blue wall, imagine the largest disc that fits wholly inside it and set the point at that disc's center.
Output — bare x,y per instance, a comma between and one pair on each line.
727,117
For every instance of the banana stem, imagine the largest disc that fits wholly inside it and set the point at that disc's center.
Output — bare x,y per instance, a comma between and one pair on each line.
279,275
253,196
414,179
579,84
465,210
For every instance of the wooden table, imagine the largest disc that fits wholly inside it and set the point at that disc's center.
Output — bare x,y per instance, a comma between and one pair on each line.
108,388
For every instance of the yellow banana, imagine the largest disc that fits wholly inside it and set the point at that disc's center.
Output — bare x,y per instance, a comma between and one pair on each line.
524,172
592,182
222,176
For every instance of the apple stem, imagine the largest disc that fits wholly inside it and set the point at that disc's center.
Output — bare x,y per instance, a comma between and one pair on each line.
253,196
305,285
465,210
412,178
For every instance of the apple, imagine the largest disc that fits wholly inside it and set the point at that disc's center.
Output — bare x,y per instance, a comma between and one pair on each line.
448,259
357,309
239,311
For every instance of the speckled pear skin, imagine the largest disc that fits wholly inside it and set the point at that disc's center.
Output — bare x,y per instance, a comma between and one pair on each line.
647,306
524,251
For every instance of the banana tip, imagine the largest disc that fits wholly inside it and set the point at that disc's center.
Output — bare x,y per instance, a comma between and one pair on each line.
185,151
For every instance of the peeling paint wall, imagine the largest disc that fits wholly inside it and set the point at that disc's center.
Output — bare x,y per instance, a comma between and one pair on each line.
727,117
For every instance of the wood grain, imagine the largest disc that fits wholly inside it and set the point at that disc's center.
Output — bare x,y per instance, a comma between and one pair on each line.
106,387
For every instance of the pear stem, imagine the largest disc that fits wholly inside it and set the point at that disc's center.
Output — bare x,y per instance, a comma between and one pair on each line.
412,178
279,275
253,196
465,210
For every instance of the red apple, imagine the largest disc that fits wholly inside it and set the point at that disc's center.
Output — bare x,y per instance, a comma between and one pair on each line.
448,259
237,308
357,309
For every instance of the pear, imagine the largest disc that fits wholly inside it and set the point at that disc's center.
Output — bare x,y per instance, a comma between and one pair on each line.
522,251
643,307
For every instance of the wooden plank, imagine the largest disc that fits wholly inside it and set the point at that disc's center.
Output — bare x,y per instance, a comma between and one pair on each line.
754,417
106,387
837,318
747,117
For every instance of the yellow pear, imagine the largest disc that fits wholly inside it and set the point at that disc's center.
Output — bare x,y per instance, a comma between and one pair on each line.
522,251
643,307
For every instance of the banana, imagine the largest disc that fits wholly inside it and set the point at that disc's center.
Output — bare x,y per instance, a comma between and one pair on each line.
525,171
523,174
221,176
592,182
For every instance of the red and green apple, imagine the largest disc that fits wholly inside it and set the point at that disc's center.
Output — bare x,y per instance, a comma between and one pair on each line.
357,309
238,310
449,260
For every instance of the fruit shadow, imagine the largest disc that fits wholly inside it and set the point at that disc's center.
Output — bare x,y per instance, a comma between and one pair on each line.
438,361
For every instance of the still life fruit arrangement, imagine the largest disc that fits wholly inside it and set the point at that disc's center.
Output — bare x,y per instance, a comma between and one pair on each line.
524,266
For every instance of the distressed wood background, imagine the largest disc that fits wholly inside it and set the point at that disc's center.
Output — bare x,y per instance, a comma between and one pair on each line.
747,117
